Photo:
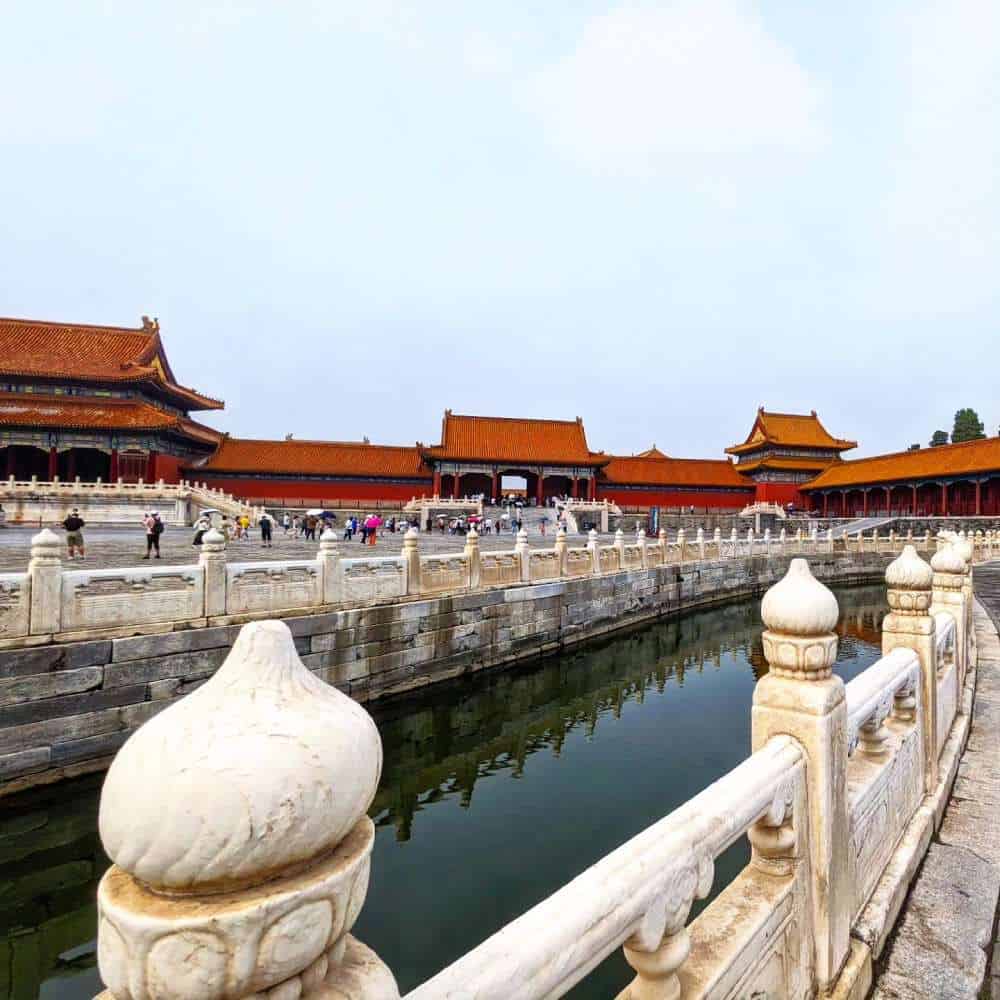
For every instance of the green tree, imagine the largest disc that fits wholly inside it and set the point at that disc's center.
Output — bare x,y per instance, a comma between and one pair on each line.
939,437
968,426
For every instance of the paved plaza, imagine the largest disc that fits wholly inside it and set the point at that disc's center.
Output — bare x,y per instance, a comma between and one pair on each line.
113,548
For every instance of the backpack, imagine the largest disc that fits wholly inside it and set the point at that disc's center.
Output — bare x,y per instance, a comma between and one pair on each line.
158,526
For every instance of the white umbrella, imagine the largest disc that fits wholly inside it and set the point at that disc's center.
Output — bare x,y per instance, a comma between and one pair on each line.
314,512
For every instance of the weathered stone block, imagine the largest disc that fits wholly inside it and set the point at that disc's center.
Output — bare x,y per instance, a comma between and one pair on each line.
141,647
73,704
45,733
88,748
14,690
12,765
199,663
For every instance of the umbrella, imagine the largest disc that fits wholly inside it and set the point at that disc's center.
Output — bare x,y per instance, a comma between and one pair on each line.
327,514
209,510
314,512
474,518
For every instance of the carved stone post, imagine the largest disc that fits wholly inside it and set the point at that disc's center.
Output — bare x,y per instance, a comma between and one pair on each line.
829,539
749,541
949,577
700,540
640,540
717,541
734,540
782,540
798,539
963,545
411,559
329,563
619,546
45,573
909,624
471,553
802,698
767,541
523,552
212,560
681,545
595,556
236,821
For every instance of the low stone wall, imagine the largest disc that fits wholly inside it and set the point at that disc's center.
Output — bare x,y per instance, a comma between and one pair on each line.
65,708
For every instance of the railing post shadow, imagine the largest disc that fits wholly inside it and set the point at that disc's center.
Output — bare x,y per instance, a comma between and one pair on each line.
802,698
212,560
909,625
45,582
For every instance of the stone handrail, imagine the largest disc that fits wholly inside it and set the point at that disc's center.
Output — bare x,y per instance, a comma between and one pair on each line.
94,600
633,896
69,491
836,835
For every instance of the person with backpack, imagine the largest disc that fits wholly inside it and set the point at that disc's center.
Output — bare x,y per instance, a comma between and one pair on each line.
154,528
265,529
74,535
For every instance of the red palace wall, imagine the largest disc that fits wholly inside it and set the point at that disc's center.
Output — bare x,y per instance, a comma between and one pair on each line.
674,498
168,468
259,489
783,493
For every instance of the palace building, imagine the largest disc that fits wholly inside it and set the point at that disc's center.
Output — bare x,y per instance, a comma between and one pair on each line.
952,479
98,402
102,402
785,450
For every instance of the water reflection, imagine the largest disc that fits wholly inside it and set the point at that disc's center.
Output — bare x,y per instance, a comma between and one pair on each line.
496,790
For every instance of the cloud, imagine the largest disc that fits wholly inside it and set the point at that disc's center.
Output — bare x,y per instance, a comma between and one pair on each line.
686,86
941,214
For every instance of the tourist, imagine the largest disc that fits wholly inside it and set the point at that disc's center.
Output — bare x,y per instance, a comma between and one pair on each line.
154,528
488,526
363,529
296,522
373,524
74,533
348,529
286,521
311,522
265,529
244,521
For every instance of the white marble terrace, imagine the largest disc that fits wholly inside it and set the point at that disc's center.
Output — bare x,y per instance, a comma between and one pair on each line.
237,823
50,599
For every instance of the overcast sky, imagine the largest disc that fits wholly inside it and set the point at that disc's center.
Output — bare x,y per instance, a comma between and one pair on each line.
349,216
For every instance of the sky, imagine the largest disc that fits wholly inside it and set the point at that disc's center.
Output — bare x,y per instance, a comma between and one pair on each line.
657,216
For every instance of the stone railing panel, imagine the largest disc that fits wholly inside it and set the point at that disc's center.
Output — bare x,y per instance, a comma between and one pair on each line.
543,564
632,557
607,557
947,676
365,580
654,554
886,773
498,569
579,562
15,605
272,586
109,598
439,574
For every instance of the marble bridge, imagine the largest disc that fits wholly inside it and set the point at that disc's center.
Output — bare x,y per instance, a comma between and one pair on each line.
236,821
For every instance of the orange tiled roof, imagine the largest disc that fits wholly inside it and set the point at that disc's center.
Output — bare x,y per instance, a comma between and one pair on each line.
76,351
783,462
802,430
653,452
515,440
967,458
316,458
691,472
87,413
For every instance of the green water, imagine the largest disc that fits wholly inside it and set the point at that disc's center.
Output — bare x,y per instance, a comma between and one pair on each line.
496,791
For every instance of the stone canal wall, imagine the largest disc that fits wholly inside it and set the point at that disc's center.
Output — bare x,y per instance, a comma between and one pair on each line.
65,708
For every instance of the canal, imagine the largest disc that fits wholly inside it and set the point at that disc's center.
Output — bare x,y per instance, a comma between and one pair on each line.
496,790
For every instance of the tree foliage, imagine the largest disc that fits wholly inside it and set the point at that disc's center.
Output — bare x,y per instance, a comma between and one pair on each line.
968,426
939,438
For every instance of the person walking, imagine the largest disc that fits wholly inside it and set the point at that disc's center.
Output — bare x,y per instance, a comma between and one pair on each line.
154,528
74,533
265,529
286,522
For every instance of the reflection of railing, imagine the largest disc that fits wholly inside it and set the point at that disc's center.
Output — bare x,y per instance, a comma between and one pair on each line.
73,600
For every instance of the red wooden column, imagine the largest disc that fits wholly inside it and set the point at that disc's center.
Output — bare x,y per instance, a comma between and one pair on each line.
913,508
454,486
576,487
864,503
979,498
53,464
437,481
151,467
826,504
540,489
495,487
888,499
944,499
592,488
114,465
